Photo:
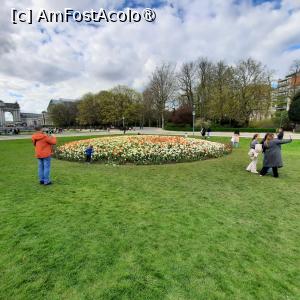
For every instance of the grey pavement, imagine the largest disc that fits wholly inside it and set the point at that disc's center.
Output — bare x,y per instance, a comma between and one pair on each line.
147,130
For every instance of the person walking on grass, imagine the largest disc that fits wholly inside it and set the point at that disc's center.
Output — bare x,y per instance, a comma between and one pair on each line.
208,132
43,150
272,154
88,153
235,140
203,132
280,133
253,154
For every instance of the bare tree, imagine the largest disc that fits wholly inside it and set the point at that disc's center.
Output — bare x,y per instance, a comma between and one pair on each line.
162,87
205,75
149,112
252,88
132,94
222,92
295,72
295,67
186,79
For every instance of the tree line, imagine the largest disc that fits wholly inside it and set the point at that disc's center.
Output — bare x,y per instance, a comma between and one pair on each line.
216,91
105,108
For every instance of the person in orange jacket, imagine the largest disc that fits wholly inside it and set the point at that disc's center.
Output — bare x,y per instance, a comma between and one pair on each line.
43,151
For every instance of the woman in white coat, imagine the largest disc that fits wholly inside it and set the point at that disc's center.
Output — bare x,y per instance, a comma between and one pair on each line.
253,154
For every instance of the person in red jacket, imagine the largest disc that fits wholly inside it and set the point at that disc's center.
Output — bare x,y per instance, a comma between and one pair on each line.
43,151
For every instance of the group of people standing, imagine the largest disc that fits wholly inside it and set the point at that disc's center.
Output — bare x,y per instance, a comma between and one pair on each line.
205,132
270,147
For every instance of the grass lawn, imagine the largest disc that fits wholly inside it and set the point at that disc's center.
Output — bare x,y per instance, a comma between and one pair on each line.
202,230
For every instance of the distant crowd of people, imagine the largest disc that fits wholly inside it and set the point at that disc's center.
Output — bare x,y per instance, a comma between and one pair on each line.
52,130
9,131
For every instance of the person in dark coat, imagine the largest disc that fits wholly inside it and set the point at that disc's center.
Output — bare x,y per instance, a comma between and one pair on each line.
272,154
203,132
263,142
280,133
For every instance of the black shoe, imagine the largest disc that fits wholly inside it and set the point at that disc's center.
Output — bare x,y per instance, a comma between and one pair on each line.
41,182
49,183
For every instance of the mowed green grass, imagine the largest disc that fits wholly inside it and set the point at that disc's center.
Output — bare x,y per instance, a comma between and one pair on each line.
201,230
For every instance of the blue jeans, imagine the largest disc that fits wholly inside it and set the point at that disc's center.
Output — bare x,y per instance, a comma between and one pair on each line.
44,169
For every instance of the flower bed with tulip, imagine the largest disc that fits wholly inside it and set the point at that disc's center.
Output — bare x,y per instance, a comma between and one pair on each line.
142,150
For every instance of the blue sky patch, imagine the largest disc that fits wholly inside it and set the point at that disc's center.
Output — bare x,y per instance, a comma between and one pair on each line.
15,95
276,3
140,3
293,47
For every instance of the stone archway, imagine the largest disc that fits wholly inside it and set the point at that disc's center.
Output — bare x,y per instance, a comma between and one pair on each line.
9,118
13,108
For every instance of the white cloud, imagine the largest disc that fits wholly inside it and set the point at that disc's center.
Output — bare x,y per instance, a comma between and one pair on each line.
40,62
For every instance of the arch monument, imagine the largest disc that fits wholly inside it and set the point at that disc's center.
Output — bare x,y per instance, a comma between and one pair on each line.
13,108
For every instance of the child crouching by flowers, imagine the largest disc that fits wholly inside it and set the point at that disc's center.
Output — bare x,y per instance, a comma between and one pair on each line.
88,153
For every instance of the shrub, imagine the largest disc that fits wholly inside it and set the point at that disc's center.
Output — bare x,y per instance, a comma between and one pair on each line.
250,129
202,123
266,123
182,115
180,127
186,127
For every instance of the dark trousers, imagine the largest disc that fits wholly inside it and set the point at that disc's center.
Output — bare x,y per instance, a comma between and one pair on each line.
264,171
88,158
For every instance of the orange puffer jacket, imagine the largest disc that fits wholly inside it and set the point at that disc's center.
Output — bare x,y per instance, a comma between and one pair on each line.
43,144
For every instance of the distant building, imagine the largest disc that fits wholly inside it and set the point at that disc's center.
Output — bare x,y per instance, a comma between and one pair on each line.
286,89
28,119
59,101
32,120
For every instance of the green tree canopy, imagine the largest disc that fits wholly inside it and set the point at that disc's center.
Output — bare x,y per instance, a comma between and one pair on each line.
109,107
89,110
294,112
64,114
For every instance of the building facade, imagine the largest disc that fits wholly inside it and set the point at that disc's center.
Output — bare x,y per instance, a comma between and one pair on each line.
286,89
59,101
22,119
32,120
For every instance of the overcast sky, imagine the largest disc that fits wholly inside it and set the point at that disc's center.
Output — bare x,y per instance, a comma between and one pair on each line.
43,61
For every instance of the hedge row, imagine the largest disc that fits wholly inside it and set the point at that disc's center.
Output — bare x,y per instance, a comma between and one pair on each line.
185,127
245,129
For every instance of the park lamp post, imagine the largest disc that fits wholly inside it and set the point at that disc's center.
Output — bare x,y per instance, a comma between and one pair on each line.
123,118
194,113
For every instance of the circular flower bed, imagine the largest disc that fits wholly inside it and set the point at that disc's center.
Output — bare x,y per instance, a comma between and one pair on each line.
142,150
